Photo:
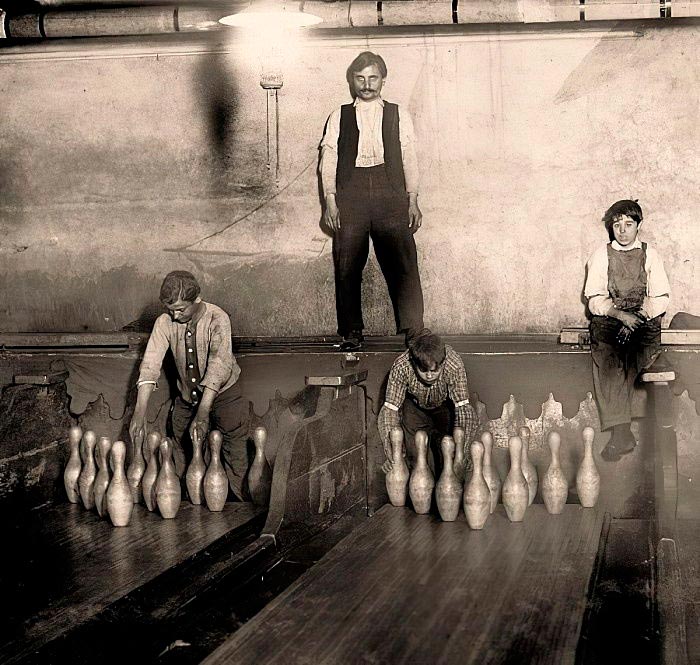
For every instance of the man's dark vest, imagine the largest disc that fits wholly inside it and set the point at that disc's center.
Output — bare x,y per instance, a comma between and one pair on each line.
350,137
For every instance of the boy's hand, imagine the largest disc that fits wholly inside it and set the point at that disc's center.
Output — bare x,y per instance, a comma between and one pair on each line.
387,466
199,428
623,336
137,427
629,320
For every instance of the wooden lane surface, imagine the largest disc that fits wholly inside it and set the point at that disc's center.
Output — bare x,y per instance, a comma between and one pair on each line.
66,564
407,588
688,591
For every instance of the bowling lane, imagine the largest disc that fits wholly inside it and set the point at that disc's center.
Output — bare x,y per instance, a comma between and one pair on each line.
66,564
407,588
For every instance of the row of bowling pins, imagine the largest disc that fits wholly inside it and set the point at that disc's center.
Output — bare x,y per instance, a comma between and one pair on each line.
87,475
520,485
482,490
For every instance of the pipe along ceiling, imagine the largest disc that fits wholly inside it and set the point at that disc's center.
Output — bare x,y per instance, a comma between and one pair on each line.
50,19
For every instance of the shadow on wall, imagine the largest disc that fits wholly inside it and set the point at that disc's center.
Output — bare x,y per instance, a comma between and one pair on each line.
146,319
219,101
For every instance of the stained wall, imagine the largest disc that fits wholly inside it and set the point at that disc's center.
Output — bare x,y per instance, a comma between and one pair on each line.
121,161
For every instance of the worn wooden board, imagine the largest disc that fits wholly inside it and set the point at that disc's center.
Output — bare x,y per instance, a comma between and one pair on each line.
407,588
66,564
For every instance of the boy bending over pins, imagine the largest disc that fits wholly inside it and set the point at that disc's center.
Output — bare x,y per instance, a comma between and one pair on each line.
628,293
427,389
199,336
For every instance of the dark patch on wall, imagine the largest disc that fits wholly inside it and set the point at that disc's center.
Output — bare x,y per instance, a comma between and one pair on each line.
34,423
273,296
218,95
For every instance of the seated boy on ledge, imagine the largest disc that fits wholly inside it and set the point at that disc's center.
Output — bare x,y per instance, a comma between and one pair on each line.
198,335
427,389
628,293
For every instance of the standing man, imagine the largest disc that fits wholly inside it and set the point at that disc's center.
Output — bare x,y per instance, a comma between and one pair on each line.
198,334
369,174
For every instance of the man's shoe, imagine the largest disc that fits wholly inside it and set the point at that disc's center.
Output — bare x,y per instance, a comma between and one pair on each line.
352,342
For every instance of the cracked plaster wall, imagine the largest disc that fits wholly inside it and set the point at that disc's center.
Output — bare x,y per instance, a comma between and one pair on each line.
115,170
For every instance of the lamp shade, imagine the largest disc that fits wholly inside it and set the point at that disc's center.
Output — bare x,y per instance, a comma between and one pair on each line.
264,13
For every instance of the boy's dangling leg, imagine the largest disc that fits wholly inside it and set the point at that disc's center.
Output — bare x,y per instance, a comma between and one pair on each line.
613,383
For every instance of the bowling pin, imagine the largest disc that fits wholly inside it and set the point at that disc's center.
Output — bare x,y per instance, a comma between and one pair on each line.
215,480
194,477
118,500
168,490
555,487
150,475
134,473
260,474
490,472
104,445
515,488
74,465
528,468
448,491
86,479
421,481
477,496
459,466
587,476
397,478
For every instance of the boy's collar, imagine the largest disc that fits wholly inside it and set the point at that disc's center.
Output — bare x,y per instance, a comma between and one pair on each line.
637,244
198,314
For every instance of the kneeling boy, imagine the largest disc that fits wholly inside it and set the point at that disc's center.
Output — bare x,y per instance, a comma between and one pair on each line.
199,336
427,389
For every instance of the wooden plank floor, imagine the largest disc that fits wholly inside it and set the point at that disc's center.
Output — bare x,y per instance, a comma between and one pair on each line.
66,564
407,588
688,541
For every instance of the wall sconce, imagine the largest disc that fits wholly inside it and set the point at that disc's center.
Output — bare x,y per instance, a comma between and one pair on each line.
267,24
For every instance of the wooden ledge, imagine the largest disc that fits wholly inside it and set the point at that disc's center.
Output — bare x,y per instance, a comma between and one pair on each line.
658,377
341,379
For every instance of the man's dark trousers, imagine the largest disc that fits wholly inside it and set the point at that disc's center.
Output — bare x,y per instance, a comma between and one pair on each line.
230,414
370,207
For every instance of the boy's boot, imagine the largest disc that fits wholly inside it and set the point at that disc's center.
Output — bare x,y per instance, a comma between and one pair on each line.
621,442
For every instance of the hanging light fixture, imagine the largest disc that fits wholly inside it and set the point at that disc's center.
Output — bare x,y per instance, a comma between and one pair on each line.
267,25
281,14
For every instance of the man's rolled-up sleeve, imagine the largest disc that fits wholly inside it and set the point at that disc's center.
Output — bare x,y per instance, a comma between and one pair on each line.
408,152
158,345
220,361
329,153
